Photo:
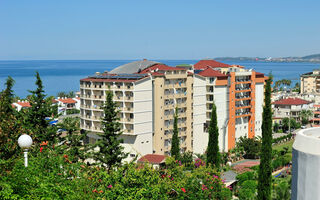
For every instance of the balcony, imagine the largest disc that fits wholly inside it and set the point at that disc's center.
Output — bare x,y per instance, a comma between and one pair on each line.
118,98
128,98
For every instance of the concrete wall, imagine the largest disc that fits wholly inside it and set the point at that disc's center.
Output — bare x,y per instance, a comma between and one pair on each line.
306,162
221,100
200,138
259,108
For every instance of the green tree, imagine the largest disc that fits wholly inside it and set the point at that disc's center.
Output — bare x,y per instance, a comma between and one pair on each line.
285,124
10,127
175,149
108,150
251,147
265,167
73,144
36,114
305,116
213,154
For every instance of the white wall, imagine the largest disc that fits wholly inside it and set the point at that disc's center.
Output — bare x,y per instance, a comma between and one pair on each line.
259,108
139,145
305,165
221,100
200,138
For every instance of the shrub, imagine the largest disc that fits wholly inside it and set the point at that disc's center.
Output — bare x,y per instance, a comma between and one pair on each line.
244,177
72,111
251,147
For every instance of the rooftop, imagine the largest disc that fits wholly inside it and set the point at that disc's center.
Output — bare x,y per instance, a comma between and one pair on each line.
291,101
203,64
133,67
24,104
209,72
67,100
153,158
308,141
160,67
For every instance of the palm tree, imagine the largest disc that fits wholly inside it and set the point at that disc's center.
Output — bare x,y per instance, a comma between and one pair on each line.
305,116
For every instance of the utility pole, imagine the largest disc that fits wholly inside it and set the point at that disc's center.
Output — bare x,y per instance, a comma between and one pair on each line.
290,120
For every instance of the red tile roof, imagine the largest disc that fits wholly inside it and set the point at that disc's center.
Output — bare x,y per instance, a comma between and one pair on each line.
203,64
157,74
54,101
67,100
109,80
209,72
291,101
24,104
153,158
161,67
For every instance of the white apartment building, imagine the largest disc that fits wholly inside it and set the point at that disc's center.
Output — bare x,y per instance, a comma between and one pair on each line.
148,92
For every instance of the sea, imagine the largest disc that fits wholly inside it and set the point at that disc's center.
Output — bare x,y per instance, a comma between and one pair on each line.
64,75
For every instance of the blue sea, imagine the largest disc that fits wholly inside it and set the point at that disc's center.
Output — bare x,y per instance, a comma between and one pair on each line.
64,75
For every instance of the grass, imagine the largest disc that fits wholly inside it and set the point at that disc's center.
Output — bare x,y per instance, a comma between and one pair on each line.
279,147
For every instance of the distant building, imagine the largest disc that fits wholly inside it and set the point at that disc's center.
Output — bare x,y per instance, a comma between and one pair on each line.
148,92
305,165
310,82
153,159
316,116
290,107
65,104
21,105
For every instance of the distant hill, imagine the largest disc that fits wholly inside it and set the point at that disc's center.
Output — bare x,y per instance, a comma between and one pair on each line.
313,56
309,58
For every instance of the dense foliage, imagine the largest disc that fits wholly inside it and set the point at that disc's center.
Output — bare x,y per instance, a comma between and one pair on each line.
251,147
72,111
175,147
265,168
52,175
10,126
213,154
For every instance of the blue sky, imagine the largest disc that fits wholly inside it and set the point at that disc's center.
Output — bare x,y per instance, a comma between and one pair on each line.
164,29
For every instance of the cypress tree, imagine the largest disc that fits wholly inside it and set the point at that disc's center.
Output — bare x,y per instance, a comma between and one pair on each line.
108,149
40,109
175,149
265,168
213,154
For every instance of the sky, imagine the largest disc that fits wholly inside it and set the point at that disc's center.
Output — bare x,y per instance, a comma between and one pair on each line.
163,29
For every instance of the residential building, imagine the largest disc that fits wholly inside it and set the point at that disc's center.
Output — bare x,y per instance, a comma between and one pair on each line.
21,105
238,95
155,160
148,93
316,116
65,104
310,82
290,108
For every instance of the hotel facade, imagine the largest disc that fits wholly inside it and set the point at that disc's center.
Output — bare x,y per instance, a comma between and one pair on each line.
148,92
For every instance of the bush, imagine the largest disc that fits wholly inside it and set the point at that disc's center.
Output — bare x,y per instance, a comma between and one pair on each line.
51,175
244,177
72,111
251,147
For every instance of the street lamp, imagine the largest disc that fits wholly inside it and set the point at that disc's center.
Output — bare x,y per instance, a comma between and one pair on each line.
25,142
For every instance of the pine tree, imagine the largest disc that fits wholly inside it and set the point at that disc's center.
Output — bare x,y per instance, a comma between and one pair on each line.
109,151
265,168
40,109
10,126
175,149
213,154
